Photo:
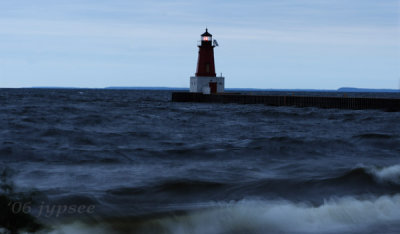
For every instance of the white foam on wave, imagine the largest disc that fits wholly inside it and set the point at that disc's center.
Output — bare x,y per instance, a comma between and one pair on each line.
386,174
340,215
79,227
334,216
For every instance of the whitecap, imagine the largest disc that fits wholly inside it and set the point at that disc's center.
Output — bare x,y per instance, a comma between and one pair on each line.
346,214
386,174
336,215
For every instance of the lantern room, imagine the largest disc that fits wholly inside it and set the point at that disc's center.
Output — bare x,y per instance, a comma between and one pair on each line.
206,37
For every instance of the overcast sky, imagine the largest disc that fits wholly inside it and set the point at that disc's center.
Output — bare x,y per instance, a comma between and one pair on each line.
320,44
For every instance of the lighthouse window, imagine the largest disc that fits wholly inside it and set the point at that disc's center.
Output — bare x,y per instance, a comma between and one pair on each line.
207,67
206,39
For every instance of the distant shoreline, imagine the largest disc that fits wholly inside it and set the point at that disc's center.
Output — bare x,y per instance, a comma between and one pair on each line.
343,89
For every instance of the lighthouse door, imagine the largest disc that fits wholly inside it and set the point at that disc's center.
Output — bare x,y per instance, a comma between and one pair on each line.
213,87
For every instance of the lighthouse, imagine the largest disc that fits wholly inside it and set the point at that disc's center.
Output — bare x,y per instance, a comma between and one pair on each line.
206,81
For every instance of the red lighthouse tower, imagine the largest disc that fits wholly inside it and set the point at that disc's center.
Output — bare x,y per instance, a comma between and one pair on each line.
205,63
206,80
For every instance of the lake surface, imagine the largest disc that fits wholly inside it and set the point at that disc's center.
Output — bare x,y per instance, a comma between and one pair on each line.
135,162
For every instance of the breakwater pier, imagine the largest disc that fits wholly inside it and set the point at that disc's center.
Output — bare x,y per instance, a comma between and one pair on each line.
356,103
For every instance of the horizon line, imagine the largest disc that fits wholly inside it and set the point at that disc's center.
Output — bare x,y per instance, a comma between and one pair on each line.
341,89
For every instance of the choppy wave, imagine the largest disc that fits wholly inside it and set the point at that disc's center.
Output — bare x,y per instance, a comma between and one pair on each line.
389,174
336,215
380,175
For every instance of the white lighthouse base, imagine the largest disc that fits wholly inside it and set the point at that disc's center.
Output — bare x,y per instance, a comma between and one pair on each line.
206,85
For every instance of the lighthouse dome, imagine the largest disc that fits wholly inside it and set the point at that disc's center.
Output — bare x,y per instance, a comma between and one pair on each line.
206,34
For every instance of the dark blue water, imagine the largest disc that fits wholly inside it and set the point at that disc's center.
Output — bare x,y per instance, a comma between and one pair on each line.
144,164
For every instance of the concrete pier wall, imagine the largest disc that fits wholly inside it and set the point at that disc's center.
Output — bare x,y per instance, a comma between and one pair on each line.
298,101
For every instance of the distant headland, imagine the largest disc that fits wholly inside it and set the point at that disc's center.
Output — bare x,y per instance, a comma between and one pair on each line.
355,90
